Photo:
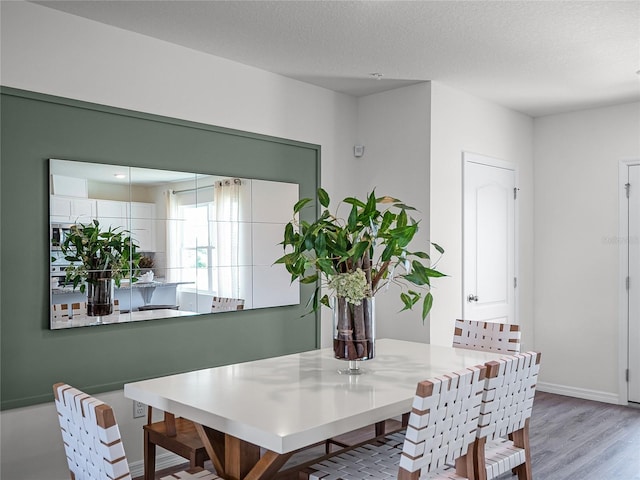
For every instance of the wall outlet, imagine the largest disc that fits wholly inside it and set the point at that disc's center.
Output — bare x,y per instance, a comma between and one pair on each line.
139,409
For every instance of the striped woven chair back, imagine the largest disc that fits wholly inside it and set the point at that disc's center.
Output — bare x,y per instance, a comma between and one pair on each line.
503,428
223,304
60,312
443,421
490,336
79,309
92,439
508,396
91,436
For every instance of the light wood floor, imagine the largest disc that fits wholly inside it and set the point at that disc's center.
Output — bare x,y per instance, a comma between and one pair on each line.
571,439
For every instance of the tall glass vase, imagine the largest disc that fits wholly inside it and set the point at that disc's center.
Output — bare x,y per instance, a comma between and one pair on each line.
99,294
353,332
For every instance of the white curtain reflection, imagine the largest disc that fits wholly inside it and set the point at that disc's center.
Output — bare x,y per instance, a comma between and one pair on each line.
173,254
227,215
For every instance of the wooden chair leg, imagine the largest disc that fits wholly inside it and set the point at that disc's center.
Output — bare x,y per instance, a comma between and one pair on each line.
196,460
465,464
149,458
200,458
327,446
521,440
479,459
405,419
170,422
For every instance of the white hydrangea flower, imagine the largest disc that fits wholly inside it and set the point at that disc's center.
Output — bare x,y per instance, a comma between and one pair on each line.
353,286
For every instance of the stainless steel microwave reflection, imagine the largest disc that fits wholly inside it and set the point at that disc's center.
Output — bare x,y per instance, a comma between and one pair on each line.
58,234
204,240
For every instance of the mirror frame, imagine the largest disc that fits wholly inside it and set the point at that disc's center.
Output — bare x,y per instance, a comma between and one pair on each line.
264,212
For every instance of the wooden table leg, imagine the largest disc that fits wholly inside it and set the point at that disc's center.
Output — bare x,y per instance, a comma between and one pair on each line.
235,459
239,457
213,442
268,466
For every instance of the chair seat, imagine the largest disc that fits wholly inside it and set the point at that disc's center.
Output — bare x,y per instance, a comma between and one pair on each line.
502,456
369,434
379,460
186,439
178,435
193,474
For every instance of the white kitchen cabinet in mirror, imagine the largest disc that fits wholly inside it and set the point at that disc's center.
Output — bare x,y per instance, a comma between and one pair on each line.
271,209
200,236
67,209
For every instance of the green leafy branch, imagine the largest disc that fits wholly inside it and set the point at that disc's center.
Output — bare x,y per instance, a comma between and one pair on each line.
94,252
375,238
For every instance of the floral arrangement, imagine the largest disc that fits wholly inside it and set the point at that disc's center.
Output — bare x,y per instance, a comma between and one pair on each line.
94,253
357,256
353,286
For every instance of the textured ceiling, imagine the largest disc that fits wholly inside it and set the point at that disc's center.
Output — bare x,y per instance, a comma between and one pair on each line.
537,57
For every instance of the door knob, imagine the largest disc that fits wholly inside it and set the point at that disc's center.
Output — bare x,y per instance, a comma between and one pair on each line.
472,298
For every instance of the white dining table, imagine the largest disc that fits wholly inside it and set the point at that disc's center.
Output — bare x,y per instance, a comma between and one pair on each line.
252,416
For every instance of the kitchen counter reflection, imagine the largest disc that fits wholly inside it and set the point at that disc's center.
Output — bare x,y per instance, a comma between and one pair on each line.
60,289
137,316
130,296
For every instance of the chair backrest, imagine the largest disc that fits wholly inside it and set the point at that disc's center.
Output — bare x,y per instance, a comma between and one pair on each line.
60,312
220,304
491,336
78,309
508,395
443,421
91,436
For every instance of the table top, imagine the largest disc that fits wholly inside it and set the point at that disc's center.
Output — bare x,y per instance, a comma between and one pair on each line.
289,402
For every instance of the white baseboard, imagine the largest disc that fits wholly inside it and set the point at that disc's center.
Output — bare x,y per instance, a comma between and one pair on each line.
163,460
583,393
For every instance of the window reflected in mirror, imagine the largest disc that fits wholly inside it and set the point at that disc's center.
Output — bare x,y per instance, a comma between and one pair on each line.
130,244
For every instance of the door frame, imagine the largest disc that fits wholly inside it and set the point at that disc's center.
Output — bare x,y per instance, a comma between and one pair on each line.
623,302
472,157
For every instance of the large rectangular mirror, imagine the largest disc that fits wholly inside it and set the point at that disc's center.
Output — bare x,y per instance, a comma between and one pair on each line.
199,243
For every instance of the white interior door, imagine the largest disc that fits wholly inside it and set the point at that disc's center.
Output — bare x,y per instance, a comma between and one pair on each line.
634,283
489,240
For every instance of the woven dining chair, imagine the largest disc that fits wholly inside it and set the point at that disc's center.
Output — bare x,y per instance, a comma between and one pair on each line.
92,439
224,304
60,312
78,309
441,433
503,428
491,336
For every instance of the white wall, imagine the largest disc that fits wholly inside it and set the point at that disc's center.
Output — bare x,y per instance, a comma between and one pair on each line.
47,51
460,122
577,265
394,128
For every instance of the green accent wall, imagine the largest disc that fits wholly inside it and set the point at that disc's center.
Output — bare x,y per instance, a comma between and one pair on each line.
36,127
